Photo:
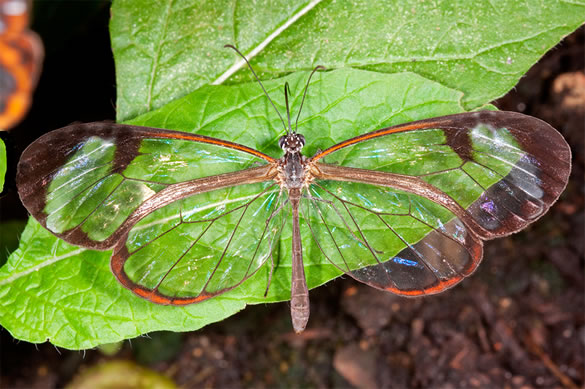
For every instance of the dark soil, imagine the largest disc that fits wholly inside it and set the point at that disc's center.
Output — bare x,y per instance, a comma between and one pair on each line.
518,322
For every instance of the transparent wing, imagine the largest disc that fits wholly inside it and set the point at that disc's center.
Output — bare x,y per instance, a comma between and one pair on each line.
505,169
405,208
88,183
181,253
389,239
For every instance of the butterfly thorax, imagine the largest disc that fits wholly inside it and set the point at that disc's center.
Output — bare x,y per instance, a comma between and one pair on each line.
292,167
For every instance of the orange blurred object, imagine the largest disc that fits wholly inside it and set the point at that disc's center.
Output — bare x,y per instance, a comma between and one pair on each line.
21,55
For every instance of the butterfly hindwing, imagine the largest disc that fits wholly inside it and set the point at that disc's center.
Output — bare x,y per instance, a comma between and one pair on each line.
389,239
202,245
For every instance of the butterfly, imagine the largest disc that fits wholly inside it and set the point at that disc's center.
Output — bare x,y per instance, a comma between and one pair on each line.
410,219
21,54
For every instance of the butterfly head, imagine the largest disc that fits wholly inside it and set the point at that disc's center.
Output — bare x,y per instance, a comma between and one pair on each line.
291,142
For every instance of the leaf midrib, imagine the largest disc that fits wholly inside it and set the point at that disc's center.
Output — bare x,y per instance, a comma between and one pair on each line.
257,49
39,266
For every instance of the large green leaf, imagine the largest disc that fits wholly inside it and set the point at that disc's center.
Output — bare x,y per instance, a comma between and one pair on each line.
55,291
165,49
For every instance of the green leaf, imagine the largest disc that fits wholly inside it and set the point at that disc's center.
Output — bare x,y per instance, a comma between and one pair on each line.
2,164
166,49
73,290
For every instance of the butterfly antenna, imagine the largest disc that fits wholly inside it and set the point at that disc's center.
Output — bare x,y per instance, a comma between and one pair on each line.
287,88
259,82
318,67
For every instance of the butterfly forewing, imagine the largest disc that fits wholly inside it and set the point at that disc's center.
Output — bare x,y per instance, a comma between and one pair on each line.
515,164
202,245
82,182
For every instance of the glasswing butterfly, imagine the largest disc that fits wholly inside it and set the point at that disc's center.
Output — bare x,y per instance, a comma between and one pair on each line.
123,187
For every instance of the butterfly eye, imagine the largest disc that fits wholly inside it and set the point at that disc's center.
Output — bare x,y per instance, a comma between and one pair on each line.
301,139
281,141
